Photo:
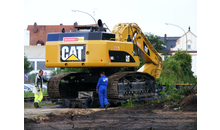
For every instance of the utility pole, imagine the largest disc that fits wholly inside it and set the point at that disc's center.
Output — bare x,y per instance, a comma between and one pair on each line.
84,13
180,28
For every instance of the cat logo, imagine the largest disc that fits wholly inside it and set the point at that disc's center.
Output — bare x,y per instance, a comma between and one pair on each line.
72,53
127,58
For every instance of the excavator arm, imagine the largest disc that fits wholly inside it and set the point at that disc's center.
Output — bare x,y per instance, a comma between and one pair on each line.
131,32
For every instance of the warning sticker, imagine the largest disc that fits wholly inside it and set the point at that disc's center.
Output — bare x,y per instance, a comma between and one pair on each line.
73,39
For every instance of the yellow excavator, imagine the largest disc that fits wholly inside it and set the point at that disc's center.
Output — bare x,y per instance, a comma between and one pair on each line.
98,50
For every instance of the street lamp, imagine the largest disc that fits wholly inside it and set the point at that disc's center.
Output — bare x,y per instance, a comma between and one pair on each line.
180,28
85,13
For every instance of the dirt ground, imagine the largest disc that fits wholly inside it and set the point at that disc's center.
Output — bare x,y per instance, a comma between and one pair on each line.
157,116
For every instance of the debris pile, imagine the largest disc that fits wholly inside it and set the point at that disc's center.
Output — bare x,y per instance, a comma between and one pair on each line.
189,103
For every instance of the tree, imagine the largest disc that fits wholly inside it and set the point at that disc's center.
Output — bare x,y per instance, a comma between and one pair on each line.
154,40
27,67
177,69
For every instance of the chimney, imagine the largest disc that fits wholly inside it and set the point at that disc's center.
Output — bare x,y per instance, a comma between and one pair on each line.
61,24
35,27
165,37
75,25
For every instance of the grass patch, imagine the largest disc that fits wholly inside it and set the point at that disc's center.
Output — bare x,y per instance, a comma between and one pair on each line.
28,94
26,105
131,102
31,94
41,114
50,104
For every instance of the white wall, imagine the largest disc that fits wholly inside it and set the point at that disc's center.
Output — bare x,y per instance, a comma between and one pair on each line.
194,64
181,42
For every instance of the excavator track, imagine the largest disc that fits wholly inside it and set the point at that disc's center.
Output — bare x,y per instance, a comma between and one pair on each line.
67,85
53,85
126,85
121,85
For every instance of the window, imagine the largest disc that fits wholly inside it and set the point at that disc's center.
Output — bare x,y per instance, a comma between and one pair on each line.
32,64
188,46
107,36
41,65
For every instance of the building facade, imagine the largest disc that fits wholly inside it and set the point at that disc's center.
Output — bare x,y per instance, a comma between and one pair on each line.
38,33
186,42
36,56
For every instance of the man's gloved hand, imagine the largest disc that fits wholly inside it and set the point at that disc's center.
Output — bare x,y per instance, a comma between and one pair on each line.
38,89
97,90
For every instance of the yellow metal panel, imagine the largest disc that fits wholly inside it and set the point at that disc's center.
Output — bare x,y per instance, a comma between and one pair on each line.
116,46
96,54
51,51
152,69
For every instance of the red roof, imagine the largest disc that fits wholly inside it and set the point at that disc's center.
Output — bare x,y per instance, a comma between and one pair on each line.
38,33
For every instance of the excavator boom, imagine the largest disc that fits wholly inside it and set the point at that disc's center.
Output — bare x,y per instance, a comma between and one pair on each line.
131,32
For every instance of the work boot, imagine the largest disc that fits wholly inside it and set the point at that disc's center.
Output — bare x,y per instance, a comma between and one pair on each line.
35,104
107,106
38,106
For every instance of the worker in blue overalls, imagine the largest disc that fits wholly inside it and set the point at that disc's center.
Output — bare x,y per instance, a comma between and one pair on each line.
101,89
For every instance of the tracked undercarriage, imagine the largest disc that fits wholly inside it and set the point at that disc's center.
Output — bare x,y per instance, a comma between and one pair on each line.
121,85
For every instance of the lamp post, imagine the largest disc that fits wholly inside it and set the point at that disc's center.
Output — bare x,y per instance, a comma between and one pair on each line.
85,13
180,28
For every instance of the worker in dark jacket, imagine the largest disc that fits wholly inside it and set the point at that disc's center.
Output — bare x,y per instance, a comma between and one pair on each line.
37,90
101,89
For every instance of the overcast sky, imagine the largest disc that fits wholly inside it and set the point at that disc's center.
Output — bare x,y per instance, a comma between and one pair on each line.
150,15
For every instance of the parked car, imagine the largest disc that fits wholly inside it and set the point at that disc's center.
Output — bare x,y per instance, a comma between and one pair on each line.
44,87
27,88
30,86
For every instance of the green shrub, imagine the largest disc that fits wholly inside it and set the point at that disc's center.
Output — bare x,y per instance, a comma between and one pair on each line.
177,69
